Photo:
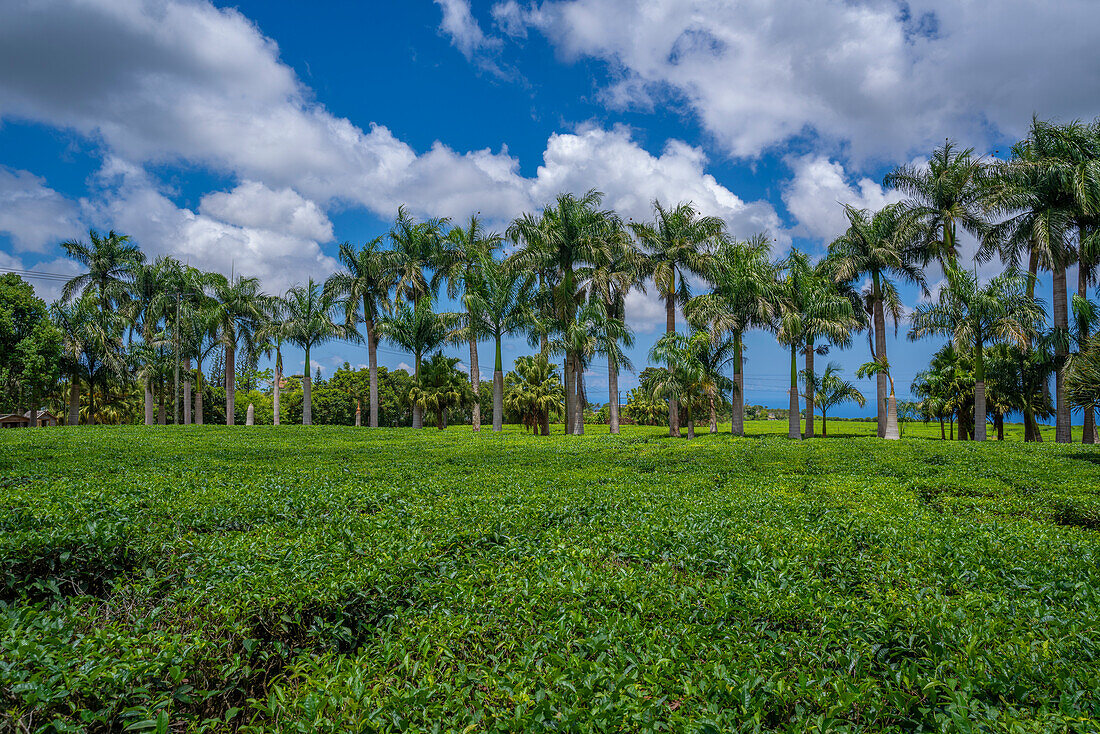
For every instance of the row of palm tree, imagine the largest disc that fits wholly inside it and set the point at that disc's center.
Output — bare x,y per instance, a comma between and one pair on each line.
565,282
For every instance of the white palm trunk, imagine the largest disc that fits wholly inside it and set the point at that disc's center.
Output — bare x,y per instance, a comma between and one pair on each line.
979,412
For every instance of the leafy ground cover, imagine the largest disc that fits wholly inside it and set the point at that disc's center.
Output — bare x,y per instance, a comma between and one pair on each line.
335,579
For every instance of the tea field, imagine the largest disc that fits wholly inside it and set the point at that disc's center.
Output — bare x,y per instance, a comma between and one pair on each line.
338,579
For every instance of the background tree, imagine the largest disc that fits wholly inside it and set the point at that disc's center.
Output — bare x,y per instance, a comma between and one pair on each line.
534,392
237,311
441,387
110,261
462,252
833,390
948,192
682,375
677,243
881,246
30,343
745,296
365,282
309,319
418,329
973,315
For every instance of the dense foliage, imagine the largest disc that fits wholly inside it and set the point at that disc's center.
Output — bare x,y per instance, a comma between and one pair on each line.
329,579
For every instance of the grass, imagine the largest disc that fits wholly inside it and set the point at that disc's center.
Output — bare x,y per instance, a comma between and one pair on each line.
338,579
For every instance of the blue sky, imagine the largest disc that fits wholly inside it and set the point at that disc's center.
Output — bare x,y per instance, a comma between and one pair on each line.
258,135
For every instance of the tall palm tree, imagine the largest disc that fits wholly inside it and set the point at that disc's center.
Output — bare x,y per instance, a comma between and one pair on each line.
744,297
676,244
811,307
947,193
237,311
365,282
93,341
877,368
882,246
832,390
110,261
273,333
561,246
618,270
973,315
461,253
309,319
1044,192
418,329
595,333
413,257
150,297
497,302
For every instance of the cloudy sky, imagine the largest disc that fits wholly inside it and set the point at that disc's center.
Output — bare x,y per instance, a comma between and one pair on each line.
255,136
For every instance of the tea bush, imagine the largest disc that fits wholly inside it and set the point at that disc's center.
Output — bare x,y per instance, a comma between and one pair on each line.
341,579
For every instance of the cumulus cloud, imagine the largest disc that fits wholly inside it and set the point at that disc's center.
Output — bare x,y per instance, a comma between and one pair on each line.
32,214
190,84
463,29
819,187
881,78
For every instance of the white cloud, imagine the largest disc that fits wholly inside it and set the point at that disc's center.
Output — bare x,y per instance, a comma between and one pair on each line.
187,83
819,187
878,77
463,29
35,216
252,204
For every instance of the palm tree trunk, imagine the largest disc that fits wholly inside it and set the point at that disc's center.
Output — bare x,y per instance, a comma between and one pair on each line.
570,393
498,389
979,389
1000,419
231,384
187,391
417,413
1088,429
582,401
809,389
372,359
952,425
1062,431
276,390
198,392
713,416
475,383
794,428
691,425
32,414
148,400
613,395
307,397
824,425
74,400
943,436
880,355
737,410
162,415
670,326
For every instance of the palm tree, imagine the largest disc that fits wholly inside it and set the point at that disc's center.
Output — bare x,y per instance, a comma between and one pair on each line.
149,299
418,329
440,388
414,252
497,303
682,376
310,320
92,340
461,253
744,297
619,268
675,244
881,246
1083,377
719,352
365,281
534,391
880,367
811,307
1045,190
1085,317
949,192
273,332
110,260
973,315
237,311
832,390
561,246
